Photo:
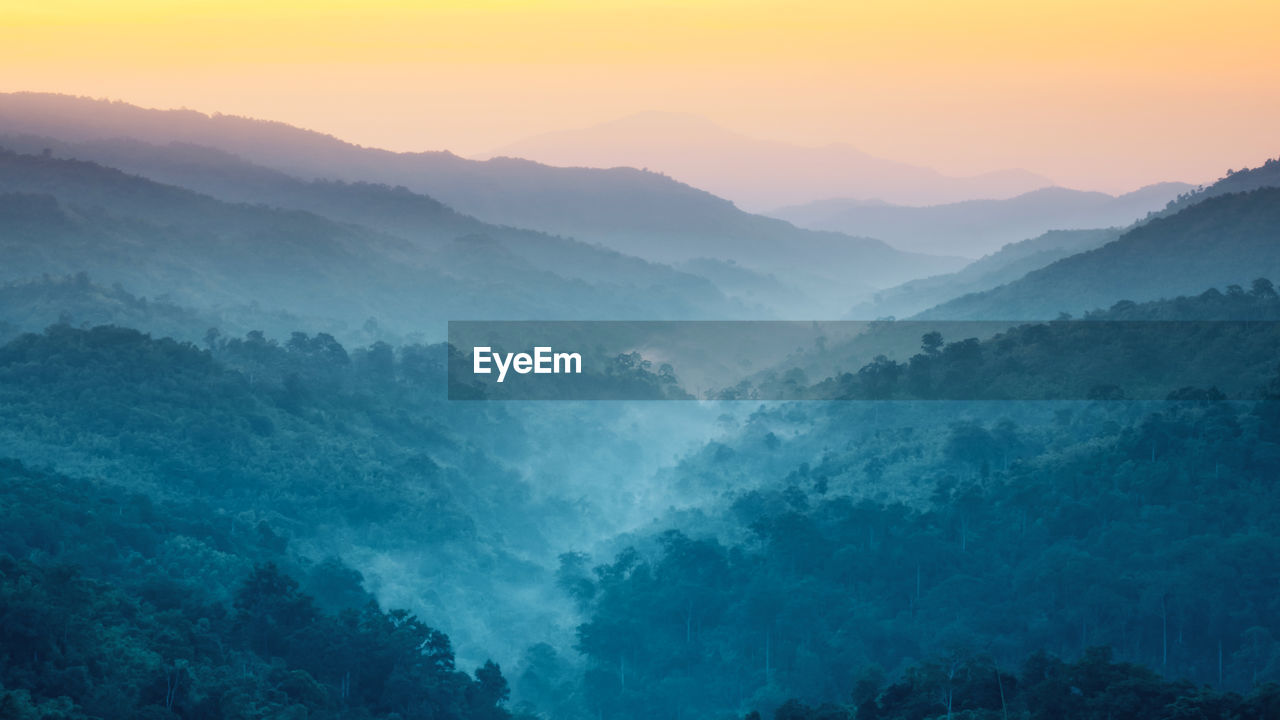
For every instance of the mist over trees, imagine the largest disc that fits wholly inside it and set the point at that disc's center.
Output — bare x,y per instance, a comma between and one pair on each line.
232,484
785,593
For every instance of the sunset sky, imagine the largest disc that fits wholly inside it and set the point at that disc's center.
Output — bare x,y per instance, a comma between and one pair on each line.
1106,95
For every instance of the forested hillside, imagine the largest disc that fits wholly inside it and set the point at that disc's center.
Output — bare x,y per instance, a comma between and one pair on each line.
1227,239
353,455
976,292
66,216
220,520
79,301
113,604
422,221
968,541
1006,265
242,478
1235,181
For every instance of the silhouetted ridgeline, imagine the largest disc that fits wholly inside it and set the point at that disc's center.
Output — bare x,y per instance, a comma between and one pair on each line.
1008,264
62,217
1223,240
642,214
1242,180
977,227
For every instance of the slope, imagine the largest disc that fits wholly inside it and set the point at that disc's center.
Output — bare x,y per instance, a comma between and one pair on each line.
419,219
1224,240
978,227
636,212
65,216
1010,263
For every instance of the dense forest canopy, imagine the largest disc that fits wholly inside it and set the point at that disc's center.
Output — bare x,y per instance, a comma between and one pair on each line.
786,592
114,605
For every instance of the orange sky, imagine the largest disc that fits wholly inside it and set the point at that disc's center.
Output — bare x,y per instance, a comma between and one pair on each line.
1107,95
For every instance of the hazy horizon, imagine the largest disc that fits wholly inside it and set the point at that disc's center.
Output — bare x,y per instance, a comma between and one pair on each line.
1090,95
571,151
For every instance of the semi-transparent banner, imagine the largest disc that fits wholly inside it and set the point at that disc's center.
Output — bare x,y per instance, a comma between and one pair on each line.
856,360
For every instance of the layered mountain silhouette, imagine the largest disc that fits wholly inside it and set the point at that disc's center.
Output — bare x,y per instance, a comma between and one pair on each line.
757,174
1242,180
979,227
407,237
1015,260
60,216
1223,240
639,213
423,221
1007,265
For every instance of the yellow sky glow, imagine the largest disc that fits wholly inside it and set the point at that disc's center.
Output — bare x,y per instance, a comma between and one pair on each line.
1105,95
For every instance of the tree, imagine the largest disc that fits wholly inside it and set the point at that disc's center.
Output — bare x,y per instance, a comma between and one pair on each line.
269,608
931,343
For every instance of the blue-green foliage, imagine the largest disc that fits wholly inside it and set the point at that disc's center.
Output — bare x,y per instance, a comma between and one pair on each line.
1147,530
112,605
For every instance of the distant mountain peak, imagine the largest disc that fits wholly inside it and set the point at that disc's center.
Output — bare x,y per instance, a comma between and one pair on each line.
649,118
977,227
755,173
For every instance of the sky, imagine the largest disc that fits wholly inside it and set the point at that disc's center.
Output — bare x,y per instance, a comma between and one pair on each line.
1097,95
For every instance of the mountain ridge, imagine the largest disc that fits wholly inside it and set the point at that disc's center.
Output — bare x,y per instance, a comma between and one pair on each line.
65,216
635,212
1224,240
983,226
756,174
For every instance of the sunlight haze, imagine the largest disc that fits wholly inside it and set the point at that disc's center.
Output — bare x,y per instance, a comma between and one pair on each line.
1090,94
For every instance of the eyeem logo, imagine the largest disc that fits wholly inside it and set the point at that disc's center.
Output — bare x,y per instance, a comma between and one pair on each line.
542,362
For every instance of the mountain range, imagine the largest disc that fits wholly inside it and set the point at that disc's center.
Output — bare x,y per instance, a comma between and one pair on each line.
411,238
979,227
61,216
638,213
758,174
1007,265
231,484
985,277
1222,240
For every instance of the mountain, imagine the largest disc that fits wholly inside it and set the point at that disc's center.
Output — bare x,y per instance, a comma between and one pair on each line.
1008,264
757,174
76,301
337,454
1242,180
1014,260
418,219
1225,240
62,217
635,212
752,288
977,227
898,528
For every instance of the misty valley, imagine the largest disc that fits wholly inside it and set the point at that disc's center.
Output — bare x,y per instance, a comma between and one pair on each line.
240,478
